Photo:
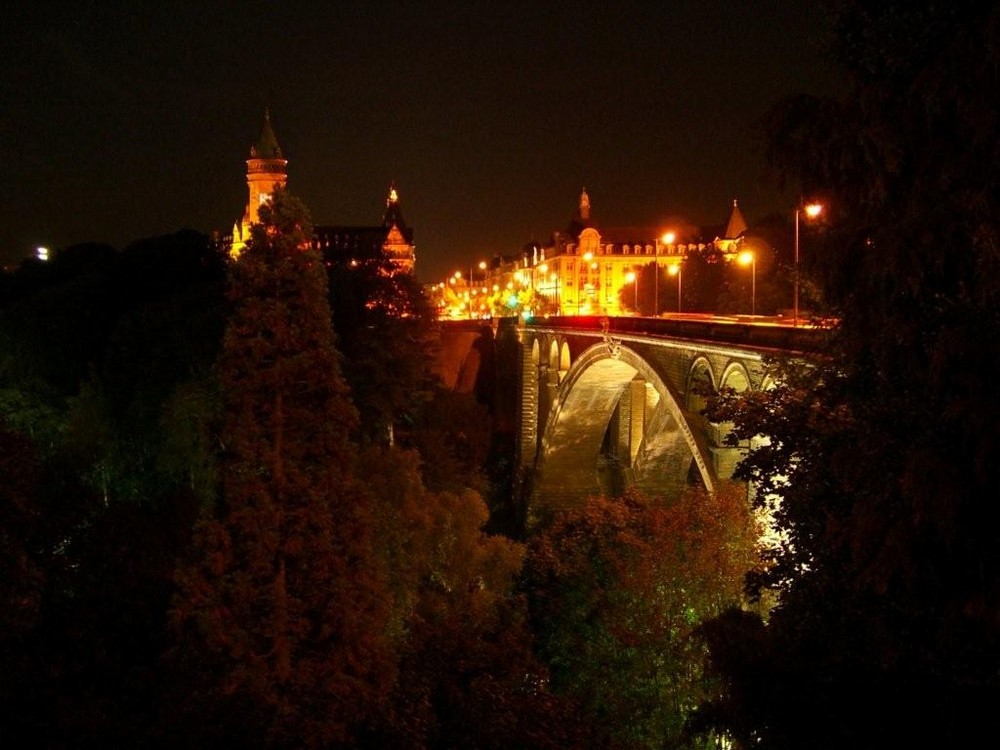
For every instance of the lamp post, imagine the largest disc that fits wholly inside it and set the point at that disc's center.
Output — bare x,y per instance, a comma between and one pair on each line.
666,239
482,272
747,258
674,269
812,211
633,279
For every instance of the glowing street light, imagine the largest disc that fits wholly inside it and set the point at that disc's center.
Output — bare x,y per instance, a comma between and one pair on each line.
674,269
812,211
747,258
630,277
666,239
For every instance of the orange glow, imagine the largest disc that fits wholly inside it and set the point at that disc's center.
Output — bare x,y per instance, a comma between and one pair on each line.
673,269
745,258
813,210
668,238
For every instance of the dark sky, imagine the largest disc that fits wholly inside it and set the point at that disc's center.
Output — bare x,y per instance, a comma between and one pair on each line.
127,120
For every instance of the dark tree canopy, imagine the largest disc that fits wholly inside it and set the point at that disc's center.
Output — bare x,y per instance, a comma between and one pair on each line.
886,632
281,606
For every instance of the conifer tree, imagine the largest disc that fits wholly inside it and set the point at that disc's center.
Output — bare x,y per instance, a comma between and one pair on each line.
280,606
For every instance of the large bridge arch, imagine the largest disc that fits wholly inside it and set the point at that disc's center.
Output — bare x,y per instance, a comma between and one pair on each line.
615,420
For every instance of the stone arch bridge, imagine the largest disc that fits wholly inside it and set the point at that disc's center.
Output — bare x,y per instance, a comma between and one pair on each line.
609,403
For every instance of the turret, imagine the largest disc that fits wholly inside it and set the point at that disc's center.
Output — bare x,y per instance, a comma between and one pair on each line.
265,171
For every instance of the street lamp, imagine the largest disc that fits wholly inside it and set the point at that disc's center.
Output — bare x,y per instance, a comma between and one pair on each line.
667,239
630,277
674,269
482,272
812,211
747,258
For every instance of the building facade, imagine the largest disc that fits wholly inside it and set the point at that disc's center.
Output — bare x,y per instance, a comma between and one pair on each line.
583,270
392,239
267,172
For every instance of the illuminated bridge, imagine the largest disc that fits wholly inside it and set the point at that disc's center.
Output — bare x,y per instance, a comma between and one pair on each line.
609,403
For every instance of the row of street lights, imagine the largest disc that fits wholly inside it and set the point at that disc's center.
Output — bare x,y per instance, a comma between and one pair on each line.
745,258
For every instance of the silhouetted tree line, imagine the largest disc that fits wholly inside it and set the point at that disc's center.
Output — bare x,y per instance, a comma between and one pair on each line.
238,510
881,457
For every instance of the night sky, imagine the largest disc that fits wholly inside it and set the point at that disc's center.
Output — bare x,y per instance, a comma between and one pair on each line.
120,122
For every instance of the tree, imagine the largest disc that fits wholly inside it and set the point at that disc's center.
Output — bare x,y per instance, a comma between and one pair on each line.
617,588
468,677
383,324
880,454
281,606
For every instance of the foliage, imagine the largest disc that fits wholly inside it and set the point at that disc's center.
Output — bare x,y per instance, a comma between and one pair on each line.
89,583
460,628
281,608
890,578
452,434
617,588
383,324
94,343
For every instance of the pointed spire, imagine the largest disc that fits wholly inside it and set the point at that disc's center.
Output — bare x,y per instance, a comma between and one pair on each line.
266,146
584,205
737,224
393,215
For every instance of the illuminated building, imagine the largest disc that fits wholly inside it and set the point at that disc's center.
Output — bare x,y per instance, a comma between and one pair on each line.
266,171
392,237
585,267
582,270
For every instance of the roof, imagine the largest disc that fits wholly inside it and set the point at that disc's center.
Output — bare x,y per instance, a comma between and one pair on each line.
737,224
393,214
266,146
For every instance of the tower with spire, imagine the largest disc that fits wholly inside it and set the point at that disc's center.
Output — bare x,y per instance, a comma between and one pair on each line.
736,227
398,243
391,239
266,171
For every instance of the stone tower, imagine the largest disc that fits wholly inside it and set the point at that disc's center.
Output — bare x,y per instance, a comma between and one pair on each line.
265,172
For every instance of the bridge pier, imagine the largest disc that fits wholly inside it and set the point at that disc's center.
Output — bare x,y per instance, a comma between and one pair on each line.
606,404
602,412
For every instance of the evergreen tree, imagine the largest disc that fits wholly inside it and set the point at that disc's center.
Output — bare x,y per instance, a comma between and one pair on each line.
281,606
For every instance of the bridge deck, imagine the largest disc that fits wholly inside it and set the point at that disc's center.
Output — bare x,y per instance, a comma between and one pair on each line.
758,335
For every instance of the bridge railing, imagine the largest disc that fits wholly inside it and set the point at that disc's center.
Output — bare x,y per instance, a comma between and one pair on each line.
756,335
